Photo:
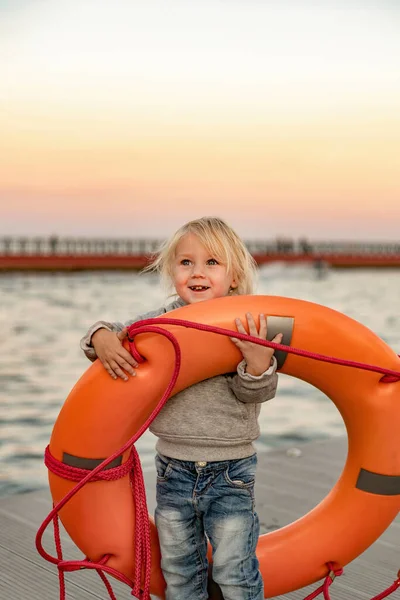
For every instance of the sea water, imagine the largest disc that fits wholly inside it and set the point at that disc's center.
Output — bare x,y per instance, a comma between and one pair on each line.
43,317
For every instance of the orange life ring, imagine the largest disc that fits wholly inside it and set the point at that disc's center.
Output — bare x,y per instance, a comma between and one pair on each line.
100,415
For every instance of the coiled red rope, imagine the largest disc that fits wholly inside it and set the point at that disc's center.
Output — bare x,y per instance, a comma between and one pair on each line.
133,467
142,530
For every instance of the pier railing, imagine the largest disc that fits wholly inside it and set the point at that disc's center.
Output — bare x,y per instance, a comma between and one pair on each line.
68,246
45,246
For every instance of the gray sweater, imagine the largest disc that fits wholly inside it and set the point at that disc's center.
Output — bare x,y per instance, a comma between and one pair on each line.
216,419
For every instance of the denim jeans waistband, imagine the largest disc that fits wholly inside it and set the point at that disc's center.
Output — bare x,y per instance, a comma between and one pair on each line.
204,466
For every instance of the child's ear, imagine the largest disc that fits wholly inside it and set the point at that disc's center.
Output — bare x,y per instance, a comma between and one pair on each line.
233,285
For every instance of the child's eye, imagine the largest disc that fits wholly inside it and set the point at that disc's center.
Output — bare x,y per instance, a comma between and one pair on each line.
185,261
212,261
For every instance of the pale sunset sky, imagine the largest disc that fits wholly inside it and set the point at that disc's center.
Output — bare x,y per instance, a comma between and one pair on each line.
130,117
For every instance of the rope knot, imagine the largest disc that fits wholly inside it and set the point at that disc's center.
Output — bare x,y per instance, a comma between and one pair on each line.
334,572
69,566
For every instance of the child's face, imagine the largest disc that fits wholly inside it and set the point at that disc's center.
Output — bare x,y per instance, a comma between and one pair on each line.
197,275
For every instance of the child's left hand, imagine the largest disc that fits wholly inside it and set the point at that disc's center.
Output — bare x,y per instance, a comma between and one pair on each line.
258,358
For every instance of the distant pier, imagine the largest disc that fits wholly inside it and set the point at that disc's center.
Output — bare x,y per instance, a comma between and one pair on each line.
78,254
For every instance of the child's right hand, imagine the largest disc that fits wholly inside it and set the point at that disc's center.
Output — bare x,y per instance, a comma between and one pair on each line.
110,351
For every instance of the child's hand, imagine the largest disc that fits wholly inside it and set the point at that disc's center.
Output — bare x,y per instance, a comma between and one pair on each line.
258,358
110,351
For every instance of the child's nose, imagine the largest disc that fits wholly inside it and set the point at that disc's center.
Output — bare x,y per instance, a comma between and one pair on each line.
198,270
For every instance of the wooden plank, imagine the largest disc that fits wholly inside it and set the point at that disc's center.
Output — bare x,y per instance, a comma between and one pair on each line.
282,497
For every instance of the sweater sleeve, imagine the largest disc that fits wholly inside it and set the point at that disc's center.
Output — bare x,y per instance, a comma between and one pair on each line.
86,341
254,388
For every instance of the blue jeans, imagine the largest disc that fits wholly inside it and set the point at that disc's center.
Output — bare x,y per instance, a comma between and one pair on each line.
214,501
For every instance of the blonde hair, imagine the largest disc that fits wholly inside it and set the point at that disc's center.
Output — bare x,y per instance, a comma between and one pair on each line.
221,242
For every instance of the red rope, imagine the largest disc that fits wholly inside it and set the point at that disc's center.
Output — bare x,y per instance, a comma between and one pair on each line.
395,585
142,533
390,376
324,588
76,474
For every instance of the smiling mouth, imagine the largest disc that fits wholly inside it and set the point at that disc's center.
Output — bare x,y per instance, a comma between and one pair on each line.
198,288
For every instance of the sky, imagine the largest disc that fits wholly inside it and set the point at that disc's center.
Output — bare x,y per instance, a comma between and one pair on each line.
131,117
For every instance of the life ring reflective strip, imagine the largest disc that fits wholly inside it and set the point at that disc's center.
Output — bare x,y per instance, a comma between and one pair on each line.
88,464
93,422
376,483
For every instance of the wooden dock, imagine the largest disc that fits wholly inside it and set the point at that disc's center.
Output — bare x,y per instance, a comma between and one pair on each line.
288,486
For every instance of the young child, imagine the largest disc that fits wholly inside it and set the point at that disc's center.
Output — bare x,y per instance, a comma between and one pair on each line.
205,458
